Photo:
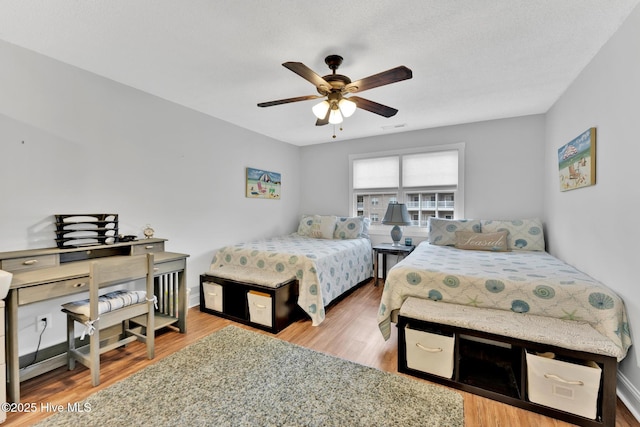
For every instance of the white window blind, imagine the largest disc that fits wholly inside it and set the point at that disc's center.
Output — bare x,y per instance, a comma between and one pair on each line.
438,168
379,172
429,180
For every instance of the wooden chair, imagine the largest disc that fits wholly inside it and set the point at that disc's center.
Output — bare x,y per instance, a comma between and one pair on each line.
97,316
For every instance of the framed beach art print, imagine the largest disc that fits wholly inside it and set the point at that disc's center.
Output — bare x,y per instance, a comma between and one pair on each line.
577,161
263,184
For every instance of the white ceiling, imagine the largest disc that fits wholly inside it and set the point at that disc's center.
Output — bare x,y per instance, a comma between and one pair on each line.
472,60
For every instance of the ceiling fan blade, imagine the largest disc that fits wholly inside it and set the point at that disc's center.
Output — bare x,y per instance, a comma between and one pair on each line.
373,107
308,74
325,121
288,100
384,78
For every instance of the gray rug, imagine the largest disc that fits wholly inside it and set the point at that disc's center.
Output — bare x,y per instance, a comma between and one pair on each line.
236,377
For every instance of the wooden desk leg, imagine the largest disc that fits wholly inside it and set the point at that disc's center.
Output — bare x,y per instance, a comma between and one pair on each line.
184,304
13,360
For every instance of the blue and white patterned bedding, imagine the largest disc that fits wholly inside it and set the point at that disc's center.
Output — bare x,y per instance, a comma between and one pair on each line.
325,268
521,281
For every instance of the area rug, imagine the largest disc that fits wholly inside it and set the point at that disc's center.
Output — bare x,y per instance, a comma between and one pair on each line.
236,377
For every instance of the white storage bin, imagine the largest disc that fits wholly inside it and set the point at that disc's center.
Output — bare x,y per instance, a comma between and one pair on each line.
212,295
428,352
567,386
259,308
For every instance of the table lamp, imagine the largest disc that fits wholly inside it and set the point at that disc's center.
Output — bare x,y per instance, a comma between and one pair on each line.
5,282
396,215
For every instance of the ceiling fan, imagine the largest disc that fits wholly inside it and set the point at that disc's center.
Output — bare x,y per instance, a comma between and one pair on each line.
334,86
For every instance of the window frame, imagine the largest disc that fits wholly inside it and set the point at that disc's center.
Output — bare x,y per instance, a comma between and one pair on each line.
402,192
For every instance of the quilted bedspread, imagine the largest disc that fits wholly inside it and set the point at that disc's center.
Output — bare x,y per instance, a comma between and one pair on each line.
521,281
325,268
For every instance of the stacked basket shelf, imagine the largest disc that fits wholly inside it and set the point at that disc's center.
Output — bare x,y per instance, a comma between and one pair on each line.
86,230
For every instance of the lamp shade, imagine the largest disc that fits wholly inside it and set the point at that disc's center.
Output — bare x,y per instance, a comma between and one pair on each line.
347,107
335,117
5,282
397,214
320,109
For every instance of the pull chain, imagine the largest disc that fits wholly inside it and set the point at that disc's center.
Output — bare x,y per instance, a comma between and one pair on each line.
334,131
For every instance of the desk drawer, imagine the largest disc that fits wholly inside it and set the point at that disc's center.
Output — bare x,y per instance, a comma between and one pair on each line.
169,267
33,294
147,249
29,263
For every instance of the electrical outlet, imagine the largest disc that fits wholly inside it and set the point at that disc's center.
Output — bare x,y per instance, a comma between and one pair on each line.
42,321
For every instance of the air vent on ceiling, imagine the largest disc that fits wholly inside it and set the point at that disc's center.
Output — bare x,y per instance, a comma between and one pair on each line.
393,127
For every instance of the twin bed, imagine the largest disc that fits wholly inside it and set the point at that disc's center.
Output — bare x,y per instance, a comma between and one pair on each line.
328,256
490,264
503,266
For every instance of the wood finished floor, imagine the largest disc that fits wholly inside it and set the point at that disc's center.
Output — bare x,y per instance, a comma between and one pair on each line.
349,331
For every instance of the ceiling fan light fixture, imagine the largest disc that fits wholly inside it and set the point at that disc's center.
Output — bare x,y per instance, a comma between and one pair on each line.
335,117
334,108
320,109
347,107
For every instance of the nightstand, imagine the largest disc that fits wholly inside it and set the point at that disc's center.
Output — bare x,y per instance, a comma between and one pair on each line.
385,249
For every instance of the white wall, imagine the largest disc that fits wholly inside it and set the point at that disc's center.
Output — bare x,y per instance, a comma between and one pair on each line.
503,176
503,164
73,142
596,228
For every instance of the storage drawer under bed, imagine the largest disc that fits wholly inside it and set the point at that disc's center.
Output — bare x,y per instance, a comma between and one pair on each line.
212,295
429,352
569,386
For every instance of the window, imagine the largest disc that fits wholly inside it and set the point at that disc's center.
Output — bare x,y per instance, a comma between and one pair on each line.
428,180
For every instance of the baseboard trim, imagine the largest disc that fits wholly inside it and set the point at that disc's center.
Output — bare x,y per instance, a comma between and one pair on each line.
629,395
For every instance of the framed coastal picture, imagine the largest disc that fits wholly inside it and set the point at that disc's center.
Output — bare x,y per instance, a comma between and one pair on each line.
262,184
577,161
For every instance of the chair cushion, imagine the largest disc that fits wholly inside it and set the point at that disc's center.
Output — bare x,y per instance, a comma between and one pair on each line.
107,302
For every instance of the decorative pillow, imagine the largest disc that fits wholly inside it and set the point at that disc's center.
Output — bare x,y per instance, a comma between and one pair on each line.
304,228
349,227
366,222
443,231
323,226
482,241
524,234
